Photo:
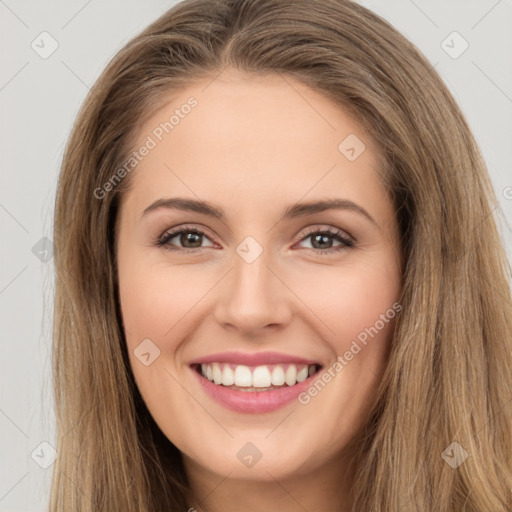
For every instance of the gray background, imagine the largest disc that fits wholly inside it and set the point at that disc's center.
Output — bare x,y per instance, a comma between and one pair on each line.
40,98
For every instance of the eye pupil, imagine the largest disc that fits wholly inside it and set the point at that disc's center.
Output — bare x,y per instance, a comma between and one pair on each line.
190,237
322,239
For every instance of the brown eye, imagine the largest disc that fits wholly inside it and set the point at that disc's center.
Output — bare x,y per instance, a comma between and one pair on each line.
322,241
188,238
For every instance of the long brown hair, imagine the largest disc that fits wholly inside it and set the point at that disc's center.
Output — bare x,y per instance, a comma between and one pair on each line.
450,367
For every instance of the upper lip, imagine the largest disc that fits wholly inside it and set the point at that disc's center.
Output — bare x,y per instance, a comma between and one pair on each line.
252,359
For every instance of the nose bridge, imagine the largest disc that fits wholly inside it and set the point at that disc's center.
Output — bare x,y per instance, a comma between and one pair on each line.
253,297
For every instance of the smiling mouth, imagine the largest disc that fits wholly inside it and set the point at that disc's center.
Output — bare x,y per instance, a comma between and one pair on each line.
256,378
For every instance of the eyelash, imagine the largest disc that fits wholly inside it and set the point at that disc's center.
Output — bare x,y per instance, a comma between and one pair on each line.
346,242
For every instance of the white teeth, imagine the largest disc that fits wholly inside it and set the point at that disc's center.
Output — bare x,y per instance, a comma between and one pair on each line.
217,373
257,377
302,374
291,375
228,377
261,377
243,376
277,376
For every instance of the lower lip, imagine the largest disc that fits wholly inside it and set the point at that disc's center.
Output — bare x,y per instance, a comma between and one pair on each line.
253,402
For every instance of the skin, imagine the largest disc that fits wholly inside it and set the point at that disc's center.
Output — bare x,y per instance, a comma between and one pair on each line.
253,146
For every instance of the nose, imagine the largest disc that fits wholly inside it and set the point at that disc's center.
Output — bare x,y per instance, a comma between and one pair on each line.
254,298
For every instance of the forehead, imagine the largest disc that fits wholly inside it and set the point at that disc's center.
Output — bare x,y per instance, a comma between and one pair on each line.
267,134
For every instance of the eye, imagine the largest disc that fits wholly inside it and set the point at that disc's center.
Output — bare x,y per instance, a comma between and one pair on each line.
320,243
190,238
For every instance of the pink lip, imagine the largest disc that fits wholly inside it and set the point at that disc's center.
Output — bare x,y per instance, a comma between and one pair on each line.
255,359
253,402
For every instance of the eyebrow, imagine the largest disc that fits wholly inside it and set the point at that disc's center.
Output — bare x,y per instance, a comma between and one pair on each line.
292,211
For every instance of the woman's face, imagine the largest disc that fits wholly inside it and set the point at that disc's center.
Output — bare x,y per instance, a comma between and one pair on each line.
271,289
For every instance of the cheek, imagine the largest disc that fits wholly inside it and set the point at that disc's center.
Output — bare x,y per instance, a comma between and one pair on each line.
156,303
350,300
155,299
356,308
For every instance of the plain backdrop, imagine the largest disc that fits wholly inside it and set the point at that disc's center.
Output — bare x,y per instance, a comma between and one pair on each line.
40,94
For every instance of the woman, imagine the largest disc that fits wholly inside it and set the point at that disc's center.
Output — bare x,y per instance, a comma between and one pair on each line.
210,352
